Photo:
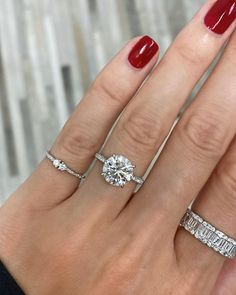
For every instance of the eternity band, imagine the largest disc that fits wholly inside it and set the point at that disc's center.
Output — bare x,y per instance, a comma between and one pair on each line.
61,166
118,170
208,234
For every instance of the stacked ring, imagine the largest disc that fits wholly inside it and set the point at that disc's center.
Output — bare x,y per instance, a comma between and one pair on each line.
208,234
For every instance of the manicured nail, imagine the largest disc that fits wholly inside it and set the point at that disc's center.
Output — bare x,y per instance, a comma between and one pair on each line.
221,15
143,51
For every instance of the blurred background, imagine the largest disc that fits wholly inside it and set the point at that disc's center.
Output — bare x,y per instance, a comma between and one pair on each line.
50,51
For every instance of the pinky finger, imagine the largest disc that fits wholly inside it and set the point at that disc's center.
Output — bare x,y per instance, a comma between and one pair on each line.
226,282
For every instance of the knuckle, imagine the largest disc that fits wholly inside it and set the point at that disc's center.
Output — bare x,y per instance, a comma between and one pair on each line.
205,135
77,143
189,53
141,131
108,89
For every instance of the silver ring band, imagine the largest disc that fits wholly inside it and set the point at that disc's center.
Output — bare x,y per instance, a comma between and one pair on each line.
118,170
208,234
61,166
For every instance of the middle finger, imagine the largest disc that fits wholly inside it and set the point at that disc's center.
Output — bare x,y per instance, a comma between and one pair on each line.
145,123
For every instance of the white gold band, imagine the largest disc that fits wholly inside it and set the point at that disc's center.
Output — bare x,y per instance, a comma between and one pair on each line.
208,234
61,166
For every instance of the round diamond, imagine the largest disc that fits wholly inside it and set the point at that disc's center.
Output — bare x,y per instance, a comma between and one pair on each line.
118,170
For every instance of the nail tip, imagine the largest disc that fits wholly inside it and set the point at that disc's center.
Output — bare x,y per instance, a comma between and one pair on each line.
220,16
142,52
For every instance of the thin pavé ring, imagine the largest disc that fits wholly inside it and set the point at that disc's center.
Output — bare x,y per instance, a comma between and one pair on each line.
61,166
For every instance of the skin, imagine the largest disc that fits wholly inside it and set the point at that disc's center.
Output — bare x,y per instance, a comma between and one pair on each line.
61,237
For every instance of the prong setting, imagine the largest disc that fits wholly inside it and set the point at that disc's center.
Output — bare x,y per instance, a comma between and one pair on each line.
118,170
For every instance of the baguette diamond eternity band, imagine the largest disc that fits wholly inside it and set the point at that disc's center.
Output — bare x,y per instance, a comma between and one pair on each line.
208,234
118,170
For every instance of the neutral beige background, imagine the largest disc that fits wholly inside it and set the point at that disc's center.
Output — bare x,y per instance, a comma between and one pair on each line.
50,50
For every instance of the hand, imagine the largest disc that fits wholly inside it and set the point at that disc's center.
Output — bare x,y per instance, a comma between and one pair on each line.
59,237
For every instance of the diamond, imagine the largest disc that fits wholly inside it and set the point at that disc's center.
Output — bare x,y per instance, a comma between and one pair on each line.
232,251
202,233
118,170
138,179
59,165
192,224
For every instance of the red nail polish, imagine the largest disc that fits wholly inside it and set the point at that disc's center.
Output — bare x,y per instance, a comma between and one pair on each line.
143,52
221,16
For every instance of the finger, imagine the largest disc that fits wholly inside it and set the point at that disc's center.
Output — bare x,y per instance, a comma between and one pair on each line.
196,145
90,123
147,120
216,203
226,283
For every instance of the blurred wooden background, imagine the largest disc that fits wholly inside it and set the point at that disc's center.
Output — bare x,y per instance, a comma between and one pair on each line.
50,50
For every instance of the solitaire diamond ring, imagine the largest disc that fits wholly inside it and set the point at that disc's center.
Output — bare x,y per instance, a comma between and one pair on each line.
208,234
118,170
61,166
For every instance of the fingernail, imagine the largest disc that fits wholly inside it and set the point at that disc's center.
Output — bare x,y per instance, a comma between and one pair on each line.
142,52
221,15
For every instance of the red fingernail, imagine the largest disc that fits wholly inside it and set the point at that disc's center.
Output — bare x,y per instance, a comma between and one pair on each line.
221,16
143,52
